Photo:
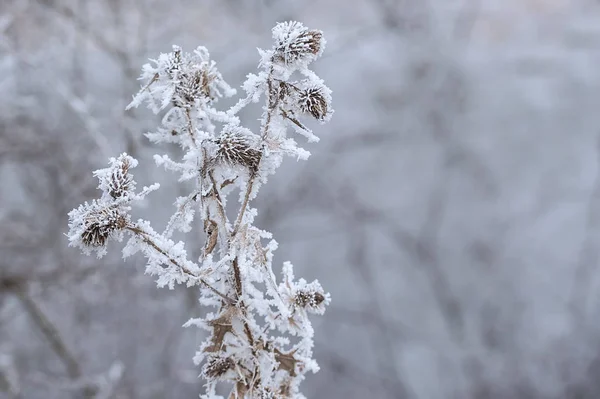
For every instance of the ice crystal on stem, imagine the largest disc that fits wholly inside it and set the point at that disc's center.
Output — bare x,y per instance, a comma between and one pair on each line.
259,336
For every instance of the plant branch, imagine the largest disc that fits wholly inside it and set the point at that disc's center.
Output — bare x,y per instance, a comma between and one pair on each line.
50,332
54,338
238,221
148,240
226,354
219,202
190,126
272,102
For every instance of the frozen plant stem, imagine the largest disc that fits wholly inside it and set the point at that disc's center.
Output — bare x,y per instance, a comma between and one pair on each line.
272,103
161,251
260,339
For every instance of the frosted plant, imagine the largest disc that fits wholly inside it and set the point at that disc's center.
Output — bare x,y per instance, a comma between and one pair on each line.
260,338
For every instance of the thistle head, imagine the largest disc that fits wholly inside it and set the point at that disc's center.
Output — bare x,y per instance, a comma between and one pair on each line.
217,366
235,147
314,101
295,43
309,299
115,181
91,226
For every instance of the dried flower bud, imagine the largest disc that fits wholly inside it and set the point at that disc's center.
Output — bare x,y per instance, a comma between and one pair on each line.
294,42
121,181
92,225
266,393
302,295
100,224
313,101
116,181
174,62
308,299
180,79
188,90
194,86
235,148
216,366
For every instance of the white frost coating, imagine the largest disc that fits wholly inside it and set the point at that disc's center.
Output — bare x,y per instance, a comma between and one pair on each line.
234,272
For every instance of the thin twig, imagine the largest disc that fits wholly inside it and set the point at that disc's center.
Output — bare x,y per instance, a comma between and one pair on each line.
219,201
56,342
190,126
272,102
50,332
238,221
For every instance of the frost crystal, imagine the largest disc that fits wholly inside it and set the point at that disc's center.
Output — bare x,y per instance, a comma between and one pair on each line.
235,270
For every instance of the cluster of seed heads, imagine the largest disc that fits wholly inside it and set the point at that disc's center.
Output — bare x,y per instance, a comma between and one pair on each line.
195,78
100,223
235,149
313,101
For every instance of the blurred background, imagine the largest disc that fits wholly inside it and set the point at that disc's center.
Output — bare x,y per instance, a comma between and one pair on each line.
452,207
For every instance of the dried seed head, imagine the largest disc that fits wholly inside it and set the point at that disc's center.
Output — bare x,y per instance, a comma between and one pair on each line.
294,42
266,393
121,181
313,101
115,181
217,366
193,86
199,79
174,62
235,148
91,226
308,299
180,79
188,90
100,223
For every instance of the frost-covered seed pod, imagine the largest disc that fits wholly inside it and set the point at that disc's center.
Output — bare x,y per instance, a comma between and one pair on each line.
174,62
235,149
308,299
100,224
194,86
266,393
121,181
313,101
217,366
294,42
116,181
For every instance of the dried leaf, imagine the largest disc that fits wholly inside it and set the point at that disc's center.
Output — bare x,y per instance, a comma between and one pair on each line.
287,361
221,326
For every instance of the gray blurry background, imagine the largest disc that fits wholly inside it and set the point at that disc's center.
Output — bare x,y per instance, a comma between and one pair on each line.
452,207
